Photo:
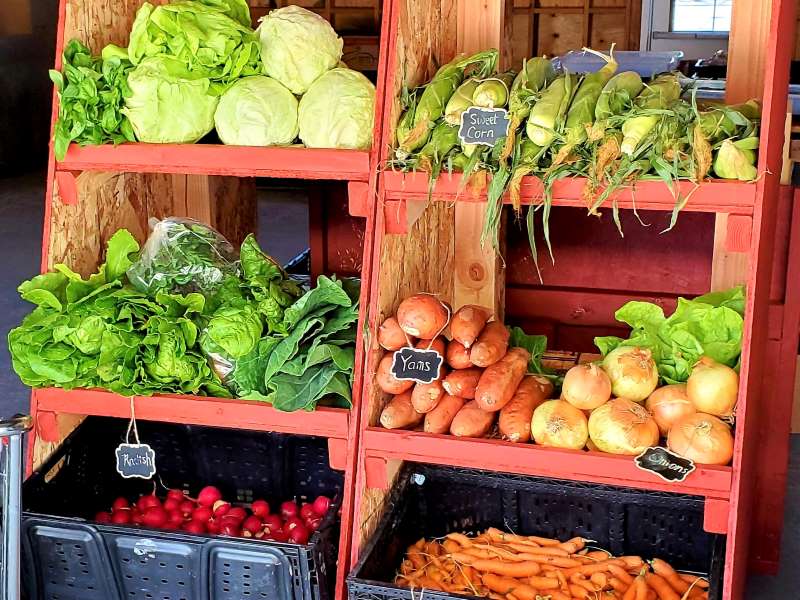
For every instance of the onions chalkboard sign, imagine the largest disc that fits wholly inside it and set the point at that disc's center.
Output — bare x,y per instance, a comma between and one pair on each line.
667,465
412,364
483,125
136,460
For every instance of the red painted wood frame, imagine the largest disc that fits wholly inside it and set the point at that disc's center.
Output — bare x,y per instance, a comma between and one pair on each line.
730,503
358,168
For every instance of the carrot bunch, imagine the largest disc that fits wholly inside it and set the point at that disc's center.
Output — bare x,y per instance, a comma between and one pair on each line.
504,566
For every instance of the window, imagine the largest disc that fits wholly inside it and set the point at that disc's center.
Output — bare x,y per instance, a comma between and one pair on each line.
701,15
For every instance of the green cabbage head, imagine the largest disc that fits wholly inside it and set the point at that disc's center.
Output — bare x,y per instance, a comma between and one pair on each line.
168,103
257,111
297,46
337,111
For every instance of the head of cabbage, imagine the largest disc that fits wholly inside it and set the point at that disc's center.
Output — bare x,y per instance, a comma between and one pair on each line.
297,46
337,111
168,103
257,111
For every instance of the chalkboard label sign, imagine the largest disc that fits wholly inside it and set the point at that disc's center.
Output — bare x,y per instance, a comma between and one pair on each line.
136,460
667,465
483,125
417,365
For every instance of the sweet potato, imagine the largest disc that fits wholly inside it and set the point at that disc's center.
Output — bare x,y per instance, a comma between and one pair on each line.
491,346
400,413
472,421
462,383
458,355
499,381
515,417
425,396
391,337
422,315
440,418
439,345
388,382
468,322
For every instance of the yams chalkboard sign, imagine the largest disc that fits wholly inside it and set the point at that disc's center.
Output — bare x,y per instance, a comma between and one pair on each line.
417,365
483,125
667,465
136,460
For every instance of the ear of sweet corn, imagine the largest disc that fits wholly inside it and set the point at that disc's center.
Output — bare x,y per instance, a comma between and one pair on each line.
550,110
493,92
657,95
618,94
737,160
460,101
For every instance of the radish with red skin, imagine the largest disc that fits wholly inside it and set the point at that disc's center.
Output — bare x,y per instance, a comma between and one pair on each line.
321,505
289,509
313,524
230,530
260,508
194,527
155,516
220,508
171,504
238,513
252,524
175,518
208,496
187,507
213,526
120,503
202,514
307,511
121,516
136,517
272,522
103,517
146,502
299,534
279,535
175,495
293,522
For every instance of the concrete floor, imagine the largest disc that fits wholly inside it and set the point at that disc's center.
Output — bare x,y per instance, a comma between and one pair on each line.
281,215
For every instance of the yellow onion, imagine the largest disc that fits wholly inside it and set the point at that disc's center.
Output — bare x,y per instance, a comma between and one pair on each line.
559,424
703,438
586,386
668,404
713,387
632,371
622,426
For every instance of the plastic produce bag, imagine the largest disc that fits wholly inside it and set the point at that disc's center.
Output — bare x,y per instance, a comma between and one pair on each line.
182,256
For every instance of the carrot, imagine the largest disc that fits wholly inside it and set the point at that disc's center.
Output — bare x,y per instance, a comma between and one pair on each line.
581,581
426,396
559,561
422,315
597,567
415,556
471,421
665,570
451,546
515,417
543,583
620,573
632,562
618,585
491,346
400,413
573,545
698,581
441,417
464,557
520,569
641,587
661,587
463,540
598,555
540,551
457,356
388,382
600,580
462,382
558,595
468,322
580,592
507,585
391,336
630,594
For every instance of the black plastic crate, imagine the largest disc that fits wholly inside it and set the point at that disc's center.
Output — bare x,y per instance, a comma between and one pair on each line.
429,501
67,556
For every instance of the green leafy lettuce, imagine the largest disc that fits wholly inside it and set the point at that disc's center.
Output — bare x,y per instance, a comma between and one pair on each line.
709,325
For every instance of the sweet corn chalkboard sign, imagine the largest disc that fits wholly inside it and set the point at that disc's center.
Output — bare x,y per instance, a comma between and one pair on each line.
483,126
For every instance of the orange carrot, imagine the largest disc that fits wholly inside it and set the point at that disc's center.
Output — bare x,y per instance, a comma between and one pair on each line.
661,587
580,593
520,569
698,581
574,545
597,567
545,551
506,585
451,545
617,585
598,555
559,561
462,539
600,580
630,594
632,563
578,579
543,583
666,571
620,573
640,584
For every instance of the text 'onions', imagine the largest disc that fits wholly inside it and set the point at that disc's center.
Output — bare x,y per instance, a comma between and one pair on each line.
586,386
669,404
622,426
632,371
559,424
703,438
713,387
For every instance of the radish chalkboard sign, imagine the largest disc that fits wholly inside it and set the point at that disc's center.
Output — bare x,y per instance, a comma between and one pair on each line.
136,460
667,465
483,125
417,365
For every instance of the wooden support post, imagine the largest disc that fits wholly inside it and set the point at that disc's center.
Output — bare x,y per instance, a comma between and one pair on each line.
479,277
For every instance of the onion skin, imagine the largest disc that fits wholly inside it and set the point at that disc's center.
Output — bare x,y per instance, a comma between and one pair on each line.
713,387
702,438
669,404
632,371
558,424
586,386
621,426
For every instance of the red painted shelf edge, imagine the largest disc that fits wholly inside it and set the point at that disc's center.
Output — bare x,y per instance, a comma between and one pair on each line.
734,197
196,410
218,159
529,459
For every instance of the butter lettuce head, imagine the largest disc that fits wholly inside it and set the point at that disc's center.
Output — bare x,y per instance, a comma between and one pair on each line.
338,111
257,111
168,103
297,47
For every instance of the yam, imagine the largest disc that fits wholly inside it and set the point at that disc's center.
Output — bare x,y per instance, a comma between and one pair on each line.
391,336
491,346
425,396
388,382
462,383
468,322
422,315
458,355
440,418
515,417
472,421
499,381
400,413
439,345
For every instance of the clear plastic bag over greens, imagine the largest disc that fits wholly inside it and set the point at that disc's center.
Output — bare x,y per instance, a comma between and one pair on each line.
182,256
